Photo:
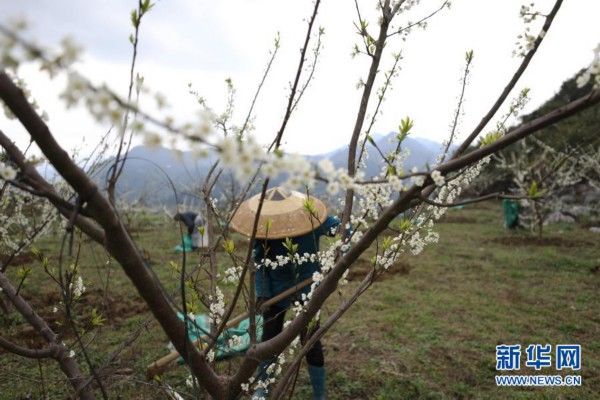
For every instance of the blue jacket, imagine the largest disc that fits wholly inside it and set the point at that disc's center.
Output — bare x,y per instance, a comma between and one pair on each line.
270,282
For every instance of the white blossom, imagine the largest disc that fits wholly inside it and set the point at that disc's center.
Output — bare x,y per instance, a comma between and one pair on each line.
78,288
326,166
419,180
7,172
210,356
438,178
233,274
592,70
17,227
333,188
217,306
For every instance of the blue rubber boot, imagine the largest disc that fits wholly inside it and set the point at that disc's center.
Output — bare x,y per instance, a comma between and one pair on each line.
261,393
317,381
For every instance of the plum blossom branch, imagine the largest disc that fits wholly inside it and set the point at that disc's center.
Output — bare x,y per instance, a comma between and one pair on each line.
118,243
461,99
512,82
490,196
420,22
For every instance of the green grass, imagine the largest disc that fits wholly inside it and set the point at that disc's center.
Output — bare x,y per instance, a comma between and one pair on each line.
428,334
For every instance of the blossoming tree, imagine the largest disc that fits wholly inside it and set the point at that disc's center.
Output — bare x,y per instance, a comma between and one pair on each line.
416,199
541,175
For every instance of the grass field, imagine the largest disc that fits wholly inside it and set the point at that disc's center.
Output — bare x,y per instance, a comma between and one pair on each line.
427,330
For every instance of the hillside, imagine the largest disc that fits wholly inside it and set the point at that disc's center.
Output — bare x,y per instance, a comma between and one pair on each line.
581,129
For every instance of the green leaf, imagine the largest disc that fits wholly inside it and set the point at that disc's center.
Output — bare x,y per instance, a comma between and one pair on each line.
533,190
405,224
268,225
309,206
134,18
174,267
387,242
469,56
146,6
23,273
406,124
97,318
363,25
290,246
229,246
490,138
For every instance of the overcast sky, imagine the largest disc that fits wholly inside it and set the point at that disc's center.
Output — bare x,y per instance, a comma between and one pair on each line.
204,42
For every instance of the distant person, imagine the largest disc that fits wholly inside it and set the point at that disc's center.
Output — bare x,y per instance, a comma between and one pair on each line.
285,215
196,235
511,213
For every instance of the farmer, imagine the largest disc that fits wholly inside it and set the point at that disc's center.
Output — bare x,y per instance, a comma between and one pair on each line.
196,236
289,222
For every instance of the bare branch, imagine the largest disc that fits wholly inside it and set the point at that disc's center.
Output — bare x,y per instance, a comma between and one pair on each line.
67,364
491,196
420,21
48,352
362,110
294,87
511,84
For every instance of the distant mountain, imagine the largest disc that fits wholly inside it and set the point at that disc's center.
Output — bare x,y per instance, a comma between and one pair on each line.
149,172
422,152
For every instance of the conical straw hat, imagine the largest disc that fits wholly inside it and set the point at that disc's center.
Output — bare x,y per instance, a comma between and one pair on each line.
284,211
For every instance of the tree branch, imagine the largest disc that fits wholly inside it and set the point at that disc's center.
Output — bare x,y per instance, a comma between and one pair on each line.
386,19
42,188
274,346
523,131
48,352
471,201
116,240
67,364
511,84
